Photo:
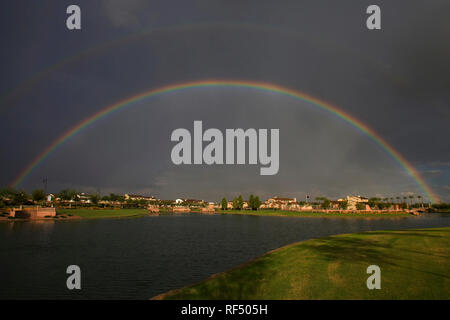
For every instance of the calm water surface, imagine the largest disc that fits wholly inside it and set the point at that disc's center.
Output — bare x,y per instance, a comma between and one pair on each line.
140,258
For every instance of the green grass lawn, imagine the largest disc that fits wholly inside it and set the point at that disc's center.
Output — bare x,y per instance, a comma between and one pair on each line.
102,213
311,214
415,264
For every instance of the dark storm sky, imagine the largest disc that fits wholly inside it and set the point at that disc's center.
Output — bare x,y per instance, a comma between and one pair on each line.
396,80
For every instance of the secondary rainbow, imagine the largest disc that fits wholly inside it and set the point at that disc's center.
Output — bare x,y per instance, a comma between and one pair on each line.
230,83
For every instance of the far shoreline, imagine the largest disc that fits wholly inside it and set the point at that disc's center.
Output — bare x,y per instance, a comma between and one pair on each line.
66,214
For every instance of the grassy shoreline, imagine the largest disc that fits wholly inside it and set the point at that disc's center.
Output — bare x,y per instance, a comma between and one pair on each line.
84,213
96,213
415,264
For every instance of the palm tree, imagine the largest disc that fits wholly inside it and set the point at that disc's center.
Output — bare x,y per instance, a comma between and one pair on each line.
398,199
419,198
405,200
410,199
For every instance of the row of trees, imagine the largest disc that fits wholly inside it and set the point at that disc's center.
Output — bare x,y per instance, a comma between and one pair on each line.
238,203
70,194
10,196
326,203
410,200
380,203
19,197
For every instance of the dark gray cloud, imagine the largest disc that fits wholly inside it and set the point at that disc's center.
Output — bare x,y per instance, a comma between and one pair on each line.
395,80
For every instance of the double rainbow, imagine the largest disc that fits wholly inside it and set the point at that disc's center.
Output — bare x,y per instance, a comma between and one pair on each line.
230,83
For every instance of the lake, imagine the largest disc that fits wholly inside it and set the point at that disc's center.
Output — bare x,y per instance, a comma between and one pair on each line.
138,258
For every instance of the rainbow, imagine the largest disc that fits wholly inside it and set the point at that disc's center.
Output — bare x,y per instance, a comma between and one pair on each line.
230,83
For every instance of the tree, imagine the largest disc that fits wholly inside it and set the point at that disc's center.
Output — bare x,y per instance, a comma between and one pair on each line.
38,195
94,198
7,192
253,202
20,197
326,203
383,205
241,202
319,199
257,203
235,204
372,202
343,204
224,204
419,198
115,197
67,194
238,203
360,206
250,201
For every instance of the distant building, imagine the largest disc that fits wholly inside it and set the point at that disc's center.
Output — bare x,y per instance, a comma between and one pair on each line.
281,200
353,200
138,197
193,202
83,197
280,203
231,206
190,202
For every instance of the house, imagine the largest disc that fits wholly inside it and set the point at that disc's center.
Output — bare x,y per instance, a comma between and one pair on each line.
281,200
83,197
231,206
193,202
281,203
211,207
334,204
353,200
189,202
134,197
